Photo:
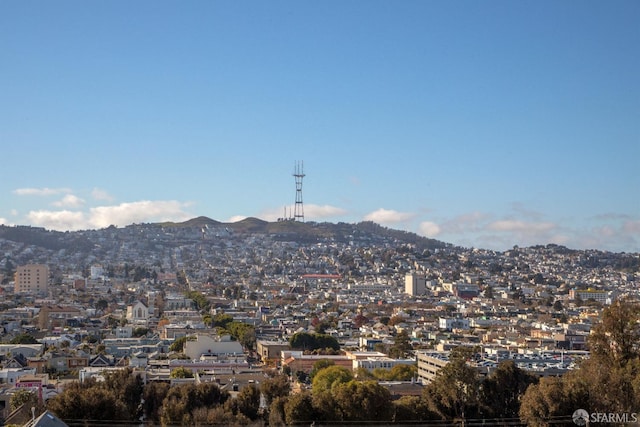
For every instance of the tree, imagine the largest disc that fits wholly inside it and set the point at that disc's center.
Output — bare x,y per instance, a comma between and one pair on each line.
24,339
328,377
299,408
244,333
410,408
154,393
610,379
616,339
397,373
454,393
129,388
222,320
89,401
25,397
546,403
307,341
275,387
557,305
502,390
363,401
201,302
178,344
320,365
184,404
101,305
248,401
181,372
401,346
277,415
140,332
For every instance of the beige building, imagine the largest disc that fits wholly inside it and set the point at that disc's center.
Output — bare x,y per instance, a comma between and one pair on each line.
415,284
429,363
32,278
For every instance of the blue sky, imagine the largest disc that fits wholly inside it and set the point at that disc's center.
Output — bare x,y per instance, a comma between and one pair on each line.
486,124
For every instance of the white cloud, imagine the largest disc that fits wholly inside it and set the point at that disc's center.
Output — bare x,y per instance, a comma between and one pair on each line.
104,216
236,218
429,229
4,221
58,220
99,194
142,211
322,211
69,201
41,191
388,216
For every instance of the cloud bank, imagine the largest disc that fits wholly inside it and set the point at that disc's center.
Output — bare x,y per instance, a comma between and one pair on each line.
41,191
388,216
105,216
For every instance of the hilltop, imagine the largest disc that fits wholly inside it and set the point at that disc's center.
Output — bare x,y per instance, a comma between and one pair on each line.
37,244
312,232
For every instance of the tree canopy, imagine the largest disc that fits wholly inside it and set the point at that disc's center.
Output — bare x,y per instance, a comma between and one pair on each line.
307,341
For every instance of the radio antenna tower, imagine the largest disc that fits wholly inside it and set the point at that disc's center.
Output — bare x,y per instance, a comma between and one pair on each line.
298,173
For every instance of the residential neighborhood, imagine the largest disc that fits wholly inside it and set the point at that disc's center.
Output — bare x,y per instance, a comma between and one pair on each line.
122,298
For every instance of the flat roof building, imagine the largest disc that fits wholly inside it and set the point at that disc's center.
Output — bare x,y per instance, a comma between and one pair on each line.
32,279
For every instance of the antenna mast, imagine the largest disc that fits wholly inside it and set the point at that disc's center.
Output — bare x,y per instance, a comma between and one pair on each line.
298,173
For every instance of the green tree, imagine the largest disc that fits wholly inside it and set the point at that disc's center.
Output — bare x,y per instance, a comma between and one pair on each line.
90,402
320,365
222,320
275,387
411,408
25,397
178,344
401,346
140,332
546,403
101,305
183,404
248,401
397,373
502,390
181,372
609,381
329,377
616,339
363,401
454,393
307,341
299,409
277,415
129,388
244,333
201,302
24,339
154,393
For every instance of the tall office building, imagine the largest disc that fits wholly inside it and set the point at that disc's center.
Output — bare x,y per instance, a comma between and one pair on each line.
32,278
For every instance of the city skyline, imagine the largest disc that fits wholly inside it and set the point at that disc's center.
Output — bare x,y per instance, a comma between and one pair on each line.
483,125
